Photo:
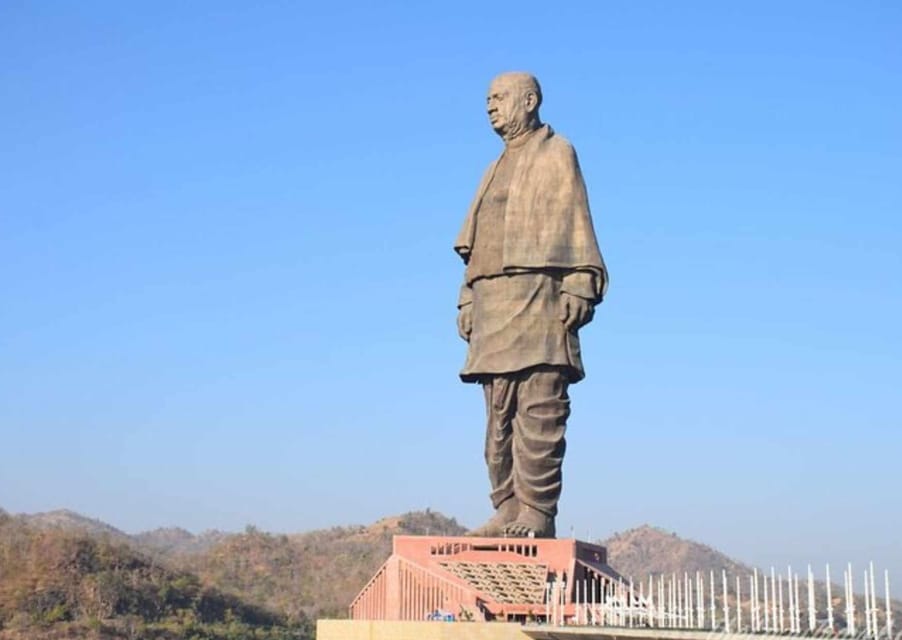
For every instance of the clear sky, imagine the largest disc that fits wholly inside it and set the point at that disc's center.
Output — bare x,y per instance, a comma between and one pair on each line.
227,289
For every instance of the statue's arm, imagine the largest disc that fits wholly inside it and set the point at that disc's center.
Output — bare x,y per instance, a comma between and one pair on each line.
465,311
578,295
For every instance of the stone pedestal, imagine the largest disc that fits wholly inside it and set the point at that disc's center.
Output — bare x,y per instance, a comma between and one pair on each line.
488,579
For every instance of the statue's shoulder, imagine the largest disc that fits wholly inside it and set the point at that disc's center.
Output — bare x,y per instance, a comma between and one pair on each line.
554,137
556,145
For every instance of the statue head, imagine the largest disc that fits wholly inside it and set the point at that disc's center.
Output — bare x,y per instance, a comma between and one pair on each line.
513,104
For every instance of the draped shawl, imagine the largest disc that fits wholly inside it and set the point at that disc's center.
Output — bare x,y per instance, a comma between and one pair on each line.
547,224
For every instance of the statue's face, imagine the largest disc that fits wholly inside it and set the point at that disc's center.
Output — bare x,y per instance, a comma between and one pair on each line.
509,106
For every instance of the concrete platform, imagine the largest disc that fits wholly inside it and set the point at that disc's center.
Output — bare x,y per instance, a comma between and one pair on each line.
407,630
471,579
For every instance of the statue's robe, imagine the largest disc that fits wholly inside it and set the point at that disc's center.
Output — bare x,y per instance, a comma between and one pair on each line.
528,237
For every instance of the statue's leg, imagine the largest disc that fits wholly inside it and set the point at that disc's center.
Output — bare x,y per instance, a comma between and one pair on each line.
543,407
500,405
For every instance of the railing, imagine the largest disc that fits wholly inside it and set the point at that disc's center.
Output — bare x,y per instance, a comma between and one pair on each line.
421,593
755,603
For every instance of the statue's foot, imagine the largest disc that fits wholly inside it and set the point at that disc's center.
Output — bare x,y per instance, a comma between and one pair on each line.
530,524
506,512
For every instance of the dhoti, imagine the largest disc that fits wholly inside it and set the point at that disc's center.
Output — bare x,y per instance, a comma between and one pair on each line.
524,445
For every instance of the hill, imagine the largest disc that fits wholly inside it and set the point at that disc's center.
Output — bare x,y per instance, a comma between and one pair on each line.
314,574
163,540
66,520
649,550
56,583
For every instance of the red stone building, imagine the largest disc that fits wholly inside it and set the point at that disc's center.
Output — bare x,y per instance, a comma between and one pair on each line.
506,579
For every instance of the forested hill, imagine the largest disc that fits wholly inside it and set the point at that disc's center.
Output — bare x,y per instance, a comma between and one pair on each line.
58,583
64,575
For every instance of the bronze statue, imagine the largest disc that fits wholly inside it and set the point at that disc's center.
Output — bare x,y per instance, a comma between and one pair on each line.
533,277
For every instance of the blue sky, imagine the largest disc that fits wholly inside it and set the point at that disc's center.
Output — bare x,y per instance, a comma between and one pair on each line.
228,287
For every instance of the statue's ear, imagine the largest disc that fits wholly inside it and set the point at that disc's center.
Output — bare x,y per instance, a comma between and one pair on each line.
532,101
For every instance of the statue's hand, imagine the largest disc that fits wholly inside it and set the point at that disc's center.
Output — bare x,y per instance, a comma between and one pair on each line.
575,311
465,321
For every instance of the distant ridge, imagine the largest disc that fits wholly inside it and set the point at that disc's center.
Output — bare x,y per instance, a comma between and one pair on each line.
175,541
67,520
650,550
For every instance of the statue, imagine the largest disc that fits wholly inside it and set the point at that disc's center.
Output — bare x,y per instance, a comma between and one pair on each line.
533,277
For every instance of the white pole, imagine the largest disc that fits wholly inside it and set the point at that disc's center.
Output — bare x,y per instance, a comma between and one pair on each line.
713,606
559,601
780,601
624,603
753,601
651,605
850,602
603,600
738,606
640,603
672,602
766,608
563,602
679,600
726,604
700,582
752,604
689,602
626,599
547,603
867,604
889,605
812,611
773,596
592,619
576,600
829,601
798,620
793,605
756,603
845,583
873,603
662,604
629,599
577,608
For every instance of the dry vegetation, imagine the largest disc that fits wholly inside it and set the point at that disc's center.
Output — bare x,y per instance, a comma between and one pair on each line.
60,584
64,576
